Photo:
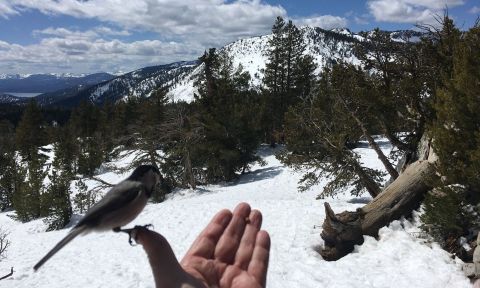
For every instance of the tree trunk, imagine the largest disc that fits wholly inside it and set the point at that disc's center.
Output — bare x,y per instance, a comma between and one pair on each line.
342,231
367,182
394,139
189,177
390,169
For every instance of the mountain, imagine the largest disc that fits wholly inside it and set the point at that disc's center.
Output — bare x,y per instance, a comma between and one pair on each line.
41,83
138,83
325,46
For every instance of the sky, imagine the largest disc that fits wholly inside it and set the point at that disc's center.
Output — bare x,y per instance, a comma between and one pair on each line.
88,36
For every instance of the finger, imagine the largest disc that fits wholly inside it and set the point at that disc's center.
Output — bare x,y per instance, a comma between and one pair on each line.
259,264
160,255
230,240
204,245
247,244
155,245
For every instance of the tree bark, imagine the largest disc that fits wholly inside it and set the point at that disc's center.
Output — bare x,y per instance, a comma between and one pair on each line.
189,177
342,231
390,169
371,186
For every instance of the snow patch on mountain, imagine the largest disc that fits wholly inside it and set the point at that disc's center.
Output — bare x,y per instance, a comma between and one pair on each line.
183,89
251,53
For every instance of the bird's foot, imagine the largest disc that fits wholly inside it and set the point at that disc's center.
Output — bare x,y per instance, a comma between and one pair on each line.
132,232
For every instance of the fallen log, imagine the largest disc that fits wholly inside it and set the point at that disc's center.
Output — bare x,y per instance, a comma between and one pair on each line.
341,232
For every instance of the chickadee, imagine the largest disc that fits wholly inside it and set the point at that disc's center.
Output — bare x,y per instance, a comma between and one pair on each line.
119,207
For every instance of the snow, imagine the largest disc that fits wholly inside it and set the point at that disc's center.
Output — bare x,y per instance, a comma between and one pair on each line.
293,219
251,53
184,89
100,90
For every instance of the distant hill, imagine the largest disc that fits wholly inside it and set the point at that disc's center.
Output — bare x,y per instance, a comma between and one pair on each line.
41,83
139,83
325,46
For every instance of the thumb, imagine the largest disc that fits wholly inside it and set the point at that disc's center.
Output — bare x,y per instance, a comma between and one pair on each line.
166,270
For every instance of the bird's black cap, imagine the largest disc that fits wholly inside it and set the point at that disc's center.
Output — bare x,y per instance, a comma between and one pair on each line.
140,171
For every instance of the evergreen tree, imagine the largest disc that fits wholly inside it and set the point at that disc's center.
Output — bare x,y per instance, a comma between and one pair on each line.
182,132
399,88
352,95
84,199
145,135
148,129
27,197
8,165
30,133
57,199
456,136
288,76
229,112
87,122
320,133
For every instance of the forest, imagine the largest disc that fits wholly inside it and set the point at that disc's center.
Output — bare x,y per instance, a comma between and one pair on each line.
408,91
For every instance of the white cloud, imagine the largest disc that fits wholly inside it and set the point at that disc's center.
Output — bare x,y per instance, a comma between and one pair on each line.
409,11
324,21
89,34
184,28
64,50
211,22
474,10
6,9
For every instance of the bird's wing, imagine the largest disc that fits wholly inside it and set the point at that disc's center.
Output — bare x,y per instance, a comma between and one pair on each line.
116,198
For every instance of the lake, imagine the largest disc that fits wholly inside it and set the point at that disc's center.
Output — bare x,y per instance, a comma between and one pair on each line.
23,94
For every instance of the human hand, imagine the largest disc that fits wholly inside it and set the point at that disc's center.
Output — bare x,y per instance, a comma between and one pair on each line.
231,251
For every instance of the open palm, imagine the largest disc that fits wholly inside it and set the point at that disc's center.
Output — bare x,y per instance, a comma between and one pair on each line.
231,251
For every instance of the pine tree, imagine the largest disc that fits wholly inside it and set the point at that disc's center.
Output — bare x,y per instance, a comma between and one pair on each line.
182,132
84,199
401,77
27,200
87,122
456,136
145,137
30,133
229,113
320,132
8,164
288,76
57,199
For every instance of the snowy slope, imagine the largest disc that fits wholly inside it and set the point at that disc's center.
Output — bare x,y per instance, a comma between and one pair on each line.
397,259
325,46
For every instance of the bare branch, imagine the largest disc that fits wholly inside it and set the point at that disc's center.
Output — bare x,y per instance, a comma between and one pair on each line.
4,244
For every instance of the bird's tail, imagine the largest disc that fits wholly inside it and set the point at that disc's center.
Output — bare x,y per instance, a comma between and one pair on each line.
72,234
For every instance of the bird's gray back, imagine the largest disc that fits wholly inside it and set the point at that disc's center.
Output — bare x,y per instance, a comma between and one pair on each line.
115,199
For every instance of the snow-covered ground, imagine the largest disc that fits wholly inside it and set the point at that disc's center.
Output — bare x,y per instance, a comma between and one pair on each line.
293,220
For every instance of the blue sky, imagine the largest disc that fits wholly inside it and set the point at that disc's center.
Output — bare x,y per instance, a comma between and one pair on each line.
59,36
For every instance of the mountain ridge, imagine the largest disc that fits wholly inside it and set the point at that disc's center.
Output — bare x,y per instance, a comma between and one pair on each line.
326,47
